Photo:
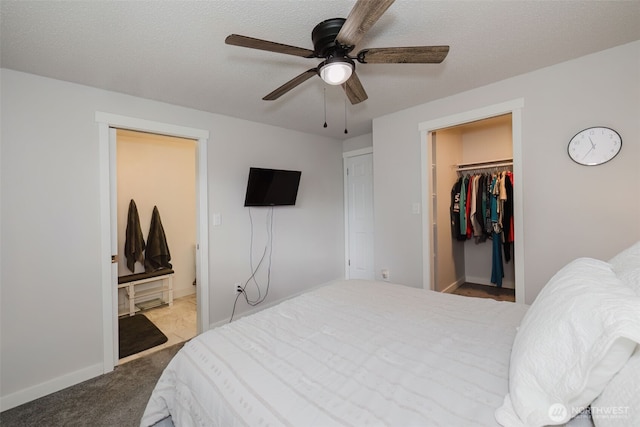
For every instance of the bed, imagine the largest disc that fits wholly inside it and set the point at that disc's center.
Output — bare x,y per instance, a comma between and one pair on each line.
369,353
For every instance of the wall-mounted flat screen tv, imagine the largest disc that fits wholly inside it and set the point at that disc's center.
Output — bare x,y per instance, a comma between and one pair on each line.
272,187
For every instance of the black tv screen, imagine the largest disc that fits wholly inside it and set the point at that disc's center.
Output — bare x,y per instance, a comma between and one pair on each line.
272,187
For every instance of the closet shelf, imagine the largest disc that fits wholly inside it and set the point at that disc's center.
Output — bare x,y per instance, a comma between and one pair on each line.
484,165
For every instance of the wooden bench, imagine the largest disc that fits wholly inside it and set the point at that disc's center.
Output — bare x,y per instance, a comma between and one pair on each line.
130,282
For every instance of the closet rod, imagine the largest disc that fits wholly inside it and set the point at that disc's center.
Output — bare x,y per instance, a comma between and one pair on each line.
484,165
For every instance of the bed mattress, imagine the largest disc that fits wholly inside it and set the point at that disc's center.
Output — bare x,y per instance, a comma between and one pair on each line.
352,353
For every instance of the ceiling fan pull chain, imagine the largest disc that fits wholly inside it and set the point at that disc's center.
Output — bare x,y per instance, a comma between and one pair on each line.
324,90
345,117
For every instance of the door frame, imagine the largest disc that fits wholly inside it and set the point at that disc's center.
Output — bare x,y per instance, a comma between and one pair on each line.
345,156
106,122
513,107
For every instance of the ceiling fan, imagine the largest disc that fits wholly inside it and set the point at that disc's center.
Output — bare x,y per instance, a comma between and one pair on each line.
333,41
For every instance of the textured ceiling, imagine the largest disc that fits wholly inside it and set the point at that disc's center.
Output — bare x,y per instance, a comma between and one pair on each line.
174,51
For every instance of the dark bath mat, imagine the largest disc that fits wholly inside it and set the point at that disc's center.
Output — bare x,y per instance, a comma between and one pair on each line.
137,333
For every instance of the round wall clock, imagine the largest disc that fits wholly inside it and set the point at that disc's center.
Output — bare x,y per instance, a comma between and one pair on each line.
594,146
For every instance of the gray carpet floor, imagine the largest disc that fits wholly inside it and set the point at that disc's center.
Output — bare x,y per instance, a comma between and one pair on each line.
114,399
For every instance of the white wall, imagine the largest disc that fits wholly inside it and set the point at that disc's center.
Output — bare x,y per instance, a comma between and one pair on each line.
487,140
51,314
357,142
307,237
569,210
158,170
450,259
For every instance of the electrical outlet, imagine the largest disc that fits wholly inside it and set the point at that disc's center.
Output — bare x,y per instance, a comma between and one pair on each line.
238,287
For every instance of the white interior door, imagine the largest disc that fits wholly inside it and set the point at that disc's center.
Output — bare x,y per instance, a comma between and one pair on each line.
359,178
113,187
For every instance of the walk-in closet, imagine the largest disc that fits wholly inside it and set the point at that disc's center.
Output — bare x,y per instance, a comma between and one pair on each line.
473,238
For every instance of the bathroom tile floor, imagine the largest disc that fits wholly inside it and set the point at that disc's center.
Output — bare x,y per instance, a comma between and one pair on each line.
178,323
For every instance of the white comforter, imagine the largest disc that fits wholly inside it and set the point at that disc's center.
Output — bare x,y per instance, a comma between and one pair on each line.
353,353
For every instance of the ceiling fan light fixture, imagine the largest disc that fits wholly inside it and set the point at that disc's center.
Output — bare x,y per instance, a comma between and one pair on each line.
336,71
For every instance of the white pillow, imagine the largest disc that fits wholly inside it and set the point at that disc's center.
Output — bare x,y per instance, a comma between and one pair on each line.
626,265
619,403
628,258
578,333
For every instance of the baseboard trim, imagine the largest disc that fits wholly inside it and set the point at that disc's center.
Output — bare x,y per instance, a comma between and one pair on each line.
509,284
248,312
270,304
184,292
452,287
253,310
56,384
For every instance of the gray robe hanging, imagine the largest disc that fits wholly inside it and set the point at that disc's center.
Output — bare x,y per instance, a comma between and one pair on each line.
157,255
134,240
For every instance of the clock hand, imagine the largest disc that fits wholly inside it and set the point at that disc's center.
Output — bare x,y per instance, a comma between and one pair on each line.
587,153
592,144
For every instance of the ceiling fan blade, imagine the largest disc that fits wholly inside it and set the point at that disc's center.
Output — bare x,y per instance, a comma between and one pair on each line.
250,42
354,90
291,84
364,14
402,55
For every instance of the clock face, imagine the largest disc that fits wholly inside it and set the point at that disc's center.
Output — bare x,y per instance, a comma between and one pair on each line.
594,146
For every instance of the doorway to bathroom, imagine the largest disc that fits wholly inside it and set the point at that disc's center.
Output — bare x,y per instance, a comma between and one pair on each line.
108,124
156,204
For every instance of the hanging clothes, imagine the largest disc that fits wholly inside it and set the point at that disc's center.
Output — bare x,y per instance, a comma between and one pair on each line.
476,209
157,255
497,270
494,204
482,208
469,201
463,206
455,210
134,240
483,213
488,227
508,217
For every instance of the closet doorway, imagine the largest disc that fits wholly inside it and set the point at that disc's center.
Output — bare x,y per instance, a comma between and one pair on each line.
477,142
467,156
156,174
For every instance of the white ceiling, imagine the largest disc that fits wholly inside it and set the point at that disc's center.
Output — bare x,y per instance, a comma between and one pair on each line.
174,51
